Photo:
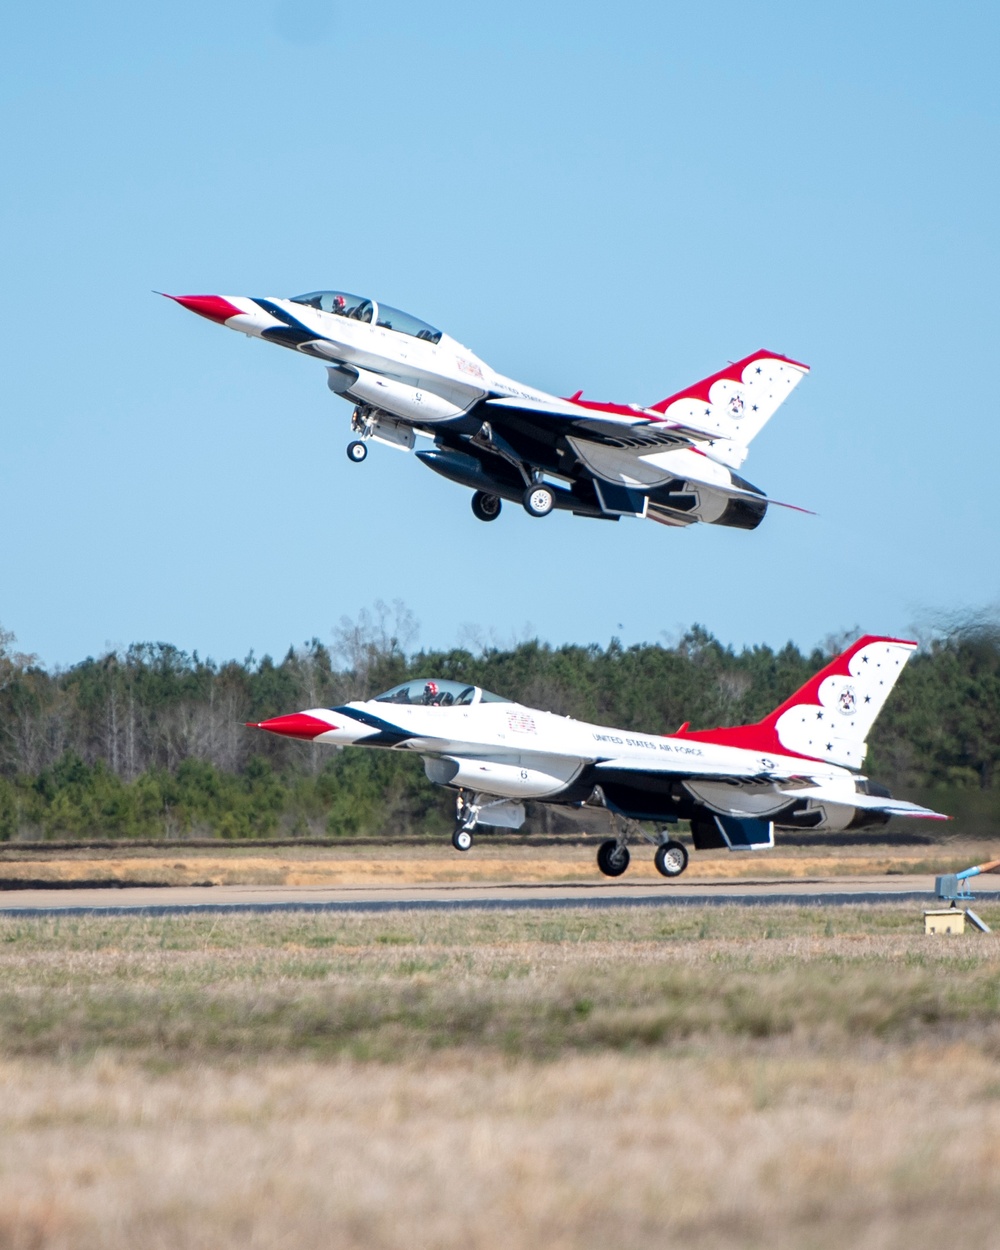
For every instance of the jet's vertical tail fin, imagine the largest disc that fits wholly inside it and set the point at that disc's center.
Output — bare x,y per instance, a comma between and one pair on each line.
829,718
738,401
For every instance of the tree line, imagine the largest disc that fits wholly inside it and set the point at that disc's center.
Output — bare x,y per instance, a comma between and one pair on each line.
150,742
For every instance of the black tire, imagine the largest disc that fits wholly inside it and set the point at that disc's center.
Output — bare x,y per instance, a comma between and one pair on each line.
461,840
671,859
612,858
486,507
356,451
539,500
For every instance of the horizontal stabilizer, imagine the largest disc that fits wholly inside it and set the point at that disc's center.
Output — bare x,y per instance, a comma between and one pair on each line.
737,492
867,802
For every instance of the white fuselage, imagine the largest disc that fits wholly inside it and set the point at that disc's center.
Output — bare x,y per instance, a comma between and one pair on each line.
517,752
422,384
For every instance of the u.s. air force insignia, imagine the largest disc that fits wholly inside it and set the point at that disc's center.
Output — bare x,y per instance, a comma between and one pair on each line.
847,701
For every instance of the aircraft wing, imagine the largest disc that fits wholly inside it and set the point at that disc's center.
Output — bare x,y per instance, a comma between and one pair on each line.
727,409
639,431
682,766
616,447
690,770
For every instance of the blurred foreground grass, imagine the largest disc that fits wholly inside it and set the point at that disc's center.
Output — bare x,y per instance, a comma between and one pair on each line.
777,1076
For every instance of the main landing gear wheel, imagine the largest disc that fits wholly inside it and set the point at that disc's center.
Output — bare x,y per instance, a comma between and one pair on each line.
486,507
539,500
461,840
356,451
612,858
671,859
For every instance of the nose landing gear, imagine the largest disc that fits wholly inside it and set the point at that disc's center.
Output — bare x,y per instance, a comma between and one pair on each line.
363,422
466,815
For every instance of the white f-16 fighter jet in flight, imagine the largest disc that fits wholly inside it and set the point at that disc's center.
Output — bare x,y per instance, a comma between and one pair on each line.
793,770
675,461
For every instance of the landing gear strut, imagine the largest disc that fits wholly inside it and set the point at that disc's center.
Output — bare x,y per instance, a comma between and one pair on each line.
466,814
363,422
612,856
671,857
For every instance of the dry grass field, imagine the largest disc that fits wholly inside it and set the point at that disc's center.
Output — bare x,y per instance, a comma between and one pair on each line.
435,862
710,1077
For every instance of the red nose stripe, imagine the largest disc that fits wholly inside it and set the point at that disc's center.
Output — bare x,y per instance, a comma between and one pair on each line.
298,725
214,307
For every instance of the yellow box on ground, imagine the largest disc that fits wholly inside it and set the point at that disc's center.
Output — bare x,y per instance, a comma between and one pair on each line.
944,920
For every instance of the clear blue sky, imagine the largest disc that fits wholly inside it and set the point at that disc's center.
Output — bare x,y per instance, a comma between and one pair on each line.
613,197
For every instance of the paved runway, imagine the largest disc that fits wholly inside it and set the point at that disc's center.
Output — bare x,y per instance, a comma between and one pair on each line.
179,900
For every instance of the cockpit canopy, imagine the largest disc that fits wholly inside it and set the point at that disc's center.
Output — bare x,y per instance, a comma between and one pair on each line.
360,309
438,692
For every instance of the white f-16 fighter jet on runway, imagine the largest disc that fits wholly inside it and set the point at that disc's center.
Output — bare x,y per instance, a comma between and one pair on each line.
675,462
792,770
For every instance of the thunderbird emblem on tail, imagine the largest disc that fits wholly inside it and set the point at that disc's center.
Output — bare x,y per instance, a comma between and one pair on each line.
675,461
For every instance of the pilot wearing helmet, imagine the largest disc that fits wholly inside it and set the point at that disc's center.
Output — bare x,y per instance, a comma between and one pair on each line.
339,305
431,693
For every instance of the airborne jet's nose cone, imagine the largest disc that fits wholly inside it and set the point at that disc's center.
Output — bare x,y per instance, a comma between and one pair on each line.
214,307
297,725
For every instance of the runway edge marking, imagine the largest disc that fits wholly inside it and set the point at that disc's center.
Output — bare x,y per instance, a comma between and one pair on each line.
389,905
